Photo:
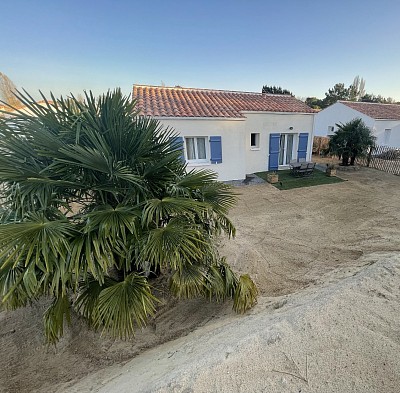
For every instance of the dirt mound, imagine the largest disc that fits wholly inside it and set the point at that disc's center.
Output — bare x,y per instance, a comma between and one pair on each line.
339,338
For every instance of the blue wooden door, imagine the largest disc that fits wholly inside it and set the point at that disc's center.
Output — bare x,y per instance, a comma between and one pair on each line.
303,142
273,152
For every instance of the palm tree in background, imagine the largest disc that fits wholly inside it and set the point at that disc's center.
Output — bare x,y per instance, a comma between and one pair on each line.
95,201
351,140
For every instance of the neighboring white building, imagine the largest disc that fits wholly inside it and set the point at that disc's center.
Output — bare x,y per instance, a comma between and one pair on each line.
233,133
383,119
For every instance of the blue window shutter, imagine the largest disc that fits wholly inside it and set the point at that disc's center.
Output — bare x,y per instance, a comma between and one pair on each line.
177,144
303,142
216,149
273,151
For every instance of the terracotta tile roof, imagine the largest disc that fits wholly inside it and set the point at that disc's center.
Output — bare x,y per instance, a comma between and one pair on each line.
187,102
375,110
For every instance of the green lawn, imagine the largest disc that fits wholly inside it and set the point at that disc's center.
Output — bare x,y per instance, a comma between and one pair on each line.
288,181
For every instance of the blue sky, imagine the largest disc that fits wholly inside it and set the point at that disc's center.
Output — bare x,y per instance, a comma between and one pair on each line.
304,46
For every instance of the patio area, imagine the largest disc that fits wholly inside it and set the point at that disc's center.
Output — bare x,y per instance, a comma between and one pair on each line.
288,181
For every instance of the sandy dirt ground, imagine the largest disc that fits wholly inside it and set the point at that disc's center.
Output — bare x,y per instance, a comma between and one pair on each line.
326,262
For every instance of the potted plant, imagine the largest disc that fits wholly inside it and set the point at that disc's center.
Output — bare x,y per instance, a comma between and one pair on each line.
272,177
330,169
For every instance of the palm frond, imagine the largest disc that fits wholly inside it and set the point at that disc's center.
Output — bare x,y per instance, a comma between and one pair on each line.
38,240
89,291
159,210
196,179
175,243
54,317
112,222
188,281
245,294
91,254
13,294
219,195
123,305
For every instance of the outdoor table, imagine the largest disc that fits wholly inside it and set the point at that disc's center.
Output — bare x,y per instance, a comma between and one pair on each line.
302,169
298,164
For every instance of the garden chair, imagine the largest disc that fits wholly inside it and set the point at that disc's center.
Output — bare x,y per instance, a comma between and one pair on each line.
291,165
310,169
301,171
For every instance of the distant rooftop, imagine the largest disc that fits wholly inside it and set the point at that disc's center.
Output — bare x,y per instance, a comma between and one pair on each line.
160,101
375,110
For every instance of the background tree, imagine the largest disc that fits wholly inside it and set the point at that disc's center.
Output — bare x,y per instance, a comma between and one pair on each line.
95,199
356,89
275,90
378,99
314,102
337,93
351,140
7,91
355,92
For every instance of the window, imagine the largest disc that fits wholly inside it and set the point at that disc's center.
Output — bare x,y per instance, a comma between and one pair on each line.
386,135
286,146
255,140
331,130
196,150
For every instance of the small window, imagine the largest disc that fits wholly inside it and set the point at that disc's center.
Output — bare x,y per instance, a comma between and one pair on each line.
196,149
255,140
331,130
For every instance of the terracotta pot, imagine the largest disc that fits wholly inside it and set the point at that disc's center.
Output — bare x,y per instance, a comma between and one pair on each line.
272,178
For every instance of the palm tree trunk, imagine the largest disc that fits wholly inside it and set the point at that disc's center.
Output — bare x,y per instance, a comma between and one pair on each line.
345,159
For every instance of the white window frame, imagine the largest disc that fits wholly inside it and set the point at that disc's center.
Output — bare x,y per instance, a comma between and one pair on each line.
257,138
207,148
295,142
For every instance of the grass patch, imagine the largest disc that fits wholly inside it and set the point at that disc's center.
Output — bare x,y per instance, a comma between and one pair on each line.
288,181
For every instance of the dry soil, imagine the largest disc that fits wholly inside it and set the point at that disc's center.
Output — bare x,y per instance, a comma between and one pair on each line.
326,262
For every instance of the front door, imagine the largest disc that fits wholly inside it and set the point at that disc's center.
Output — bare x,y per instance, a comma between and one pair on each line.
286,146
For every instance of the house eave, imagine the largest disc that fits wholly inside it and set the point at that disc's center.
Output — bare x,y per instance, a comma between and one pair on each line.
160,118
278,113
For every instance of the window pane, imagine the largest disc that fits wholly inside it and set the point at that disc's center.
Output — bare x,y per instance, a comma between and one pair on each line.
281,149
201,148
191,155
253,140
289,151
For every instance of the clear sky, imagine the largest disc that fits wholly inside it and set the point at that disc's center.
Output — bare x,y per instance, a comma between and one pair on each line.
305,46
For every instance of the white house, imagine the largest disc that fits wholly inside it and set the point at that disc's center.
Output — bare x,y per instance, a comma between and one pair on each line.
233,133
383,120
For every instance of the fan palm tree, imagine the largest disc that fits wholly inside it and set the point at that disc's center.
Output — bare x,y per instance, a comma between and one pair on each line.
95,199
351,140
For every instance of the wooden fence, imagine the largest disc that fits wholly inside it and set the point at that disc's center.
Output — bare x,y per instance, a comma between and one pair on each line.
320,143
384,158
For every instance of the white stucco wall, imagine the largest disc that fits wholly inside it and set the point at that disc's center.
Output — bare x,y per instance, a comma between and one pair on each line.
266,123
337,113
395,137
340,113
233,138
379,132
238,159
